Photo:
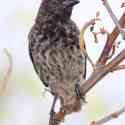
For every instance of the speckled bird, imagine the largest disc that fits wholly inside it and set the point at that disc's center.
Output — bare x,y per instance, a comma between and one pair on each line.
55,53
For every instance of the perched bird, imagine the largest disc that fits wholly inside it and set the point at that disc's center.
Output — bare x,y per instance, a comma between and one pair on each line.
55,53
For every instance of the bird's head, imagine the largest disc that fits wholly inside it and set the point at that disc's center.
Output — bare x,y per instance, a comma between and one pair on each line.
59,8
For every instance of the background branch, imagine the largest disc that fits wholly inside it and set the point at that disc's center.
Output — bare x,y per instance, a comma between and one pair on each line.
109,117
4,82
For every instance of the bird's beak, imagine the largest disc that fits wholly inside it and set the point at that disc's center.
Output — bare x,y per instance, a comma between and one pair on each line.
74,2
71,2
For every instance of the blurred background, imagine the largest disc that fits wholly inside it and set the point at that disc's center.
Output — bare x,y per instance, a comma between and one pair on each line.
25,101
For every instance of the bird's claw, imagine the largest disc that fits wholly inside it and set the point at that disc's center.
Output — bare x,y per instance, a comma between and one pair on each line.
52,115
78,91
53,119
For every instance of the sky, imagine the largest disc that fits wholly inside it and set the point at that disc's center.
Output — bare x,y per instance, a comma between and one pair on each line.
23,103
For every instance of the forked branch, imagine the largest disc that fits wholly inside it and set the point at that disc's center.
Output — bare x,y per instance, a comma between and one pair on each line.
101,71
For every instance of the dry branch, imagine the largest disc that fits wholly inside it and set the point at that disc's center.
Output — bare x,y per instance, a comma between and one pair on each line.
101,71
101,68
110,41
117,68
82,40
114,18
102,32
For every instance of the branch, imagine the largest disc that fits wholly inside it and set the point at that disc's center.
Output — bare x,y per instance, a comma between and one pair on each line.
102,32
117,68
110,42
114,18
101,71
82,41
111,116
4,82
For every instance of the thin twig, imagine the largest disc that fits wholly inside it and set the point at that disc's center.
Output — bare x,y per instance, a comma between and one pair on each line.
111,116
102,32
82,41
4,82
113,52
110,42
114,18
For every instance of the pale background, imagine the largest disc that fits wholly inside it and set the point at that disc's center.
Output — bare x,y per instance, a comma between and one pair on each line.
24,102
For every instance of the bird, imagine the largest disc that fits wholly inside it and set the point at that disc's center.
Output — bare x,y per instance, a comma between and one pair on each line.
55,52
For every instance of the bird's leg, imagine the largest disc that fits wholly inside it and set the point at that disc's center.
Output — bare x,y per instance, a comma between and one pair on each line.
52,111
78,92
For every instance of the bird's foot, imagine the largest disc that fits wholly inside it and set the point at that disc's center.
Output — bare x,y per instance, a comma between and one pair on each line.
52,111
56,118
78,92
52,118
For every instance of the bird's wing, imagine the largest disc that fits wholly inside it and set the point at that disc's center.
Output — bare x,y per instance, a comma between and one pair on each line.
41,78
32,40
